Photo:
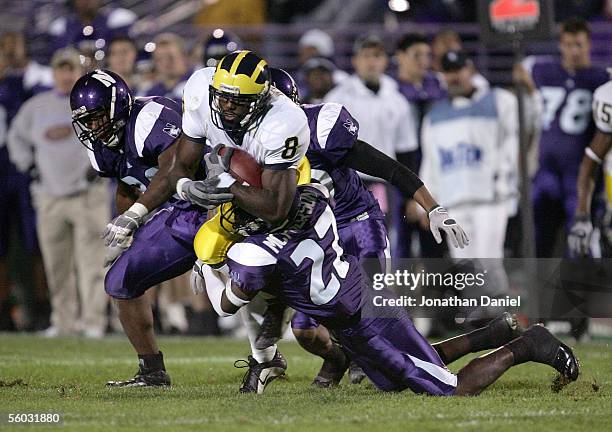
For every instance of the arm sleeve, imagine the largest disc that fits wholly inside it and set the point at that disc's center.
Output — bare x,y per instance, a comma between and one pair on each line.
165,131
337,132
20,145
368,160
250,266
195,106
286,145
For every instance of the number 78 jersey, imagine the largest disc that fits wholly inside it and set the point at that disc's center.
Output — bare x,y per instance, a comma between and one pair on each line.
279,142
303,264
567,125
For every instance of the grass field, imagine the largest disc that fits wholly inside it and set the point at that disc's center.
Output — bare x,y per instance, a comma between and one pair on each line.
67,376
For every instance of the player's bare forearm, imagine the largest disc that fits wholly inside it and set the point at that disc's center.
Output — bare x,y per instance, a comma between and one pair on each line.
160,188
273,200
424,198
187,156
125,196
589,168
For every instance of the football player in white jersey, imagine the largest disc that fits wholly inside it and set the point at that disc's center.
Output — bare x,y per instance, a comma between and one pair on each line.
579,238
234,105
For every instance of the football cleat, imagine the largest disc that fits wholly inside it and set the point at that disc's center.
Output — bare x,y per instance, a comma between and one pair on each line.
144,378
355,373
259,375
549,350
271,326
331,373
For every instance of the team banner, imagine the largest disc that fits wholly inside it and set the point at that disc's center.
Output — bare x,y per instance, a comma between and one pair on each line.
483,288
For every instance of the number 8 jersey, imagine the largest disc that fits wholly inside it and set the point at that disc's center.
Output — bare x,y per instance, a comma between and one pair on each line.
279,142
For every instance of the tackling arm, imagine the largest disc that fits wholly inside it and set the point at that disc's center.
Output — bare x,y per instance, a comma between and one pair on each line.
125,196
368,160
594,155
273,201
160,188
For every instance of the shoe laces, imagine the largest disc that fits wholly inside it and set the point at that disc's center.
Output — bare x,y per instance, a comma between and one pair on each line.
250,363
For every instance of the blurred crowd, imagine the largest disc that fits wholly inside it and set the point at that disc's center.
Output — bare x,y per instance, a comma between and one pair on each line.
408,98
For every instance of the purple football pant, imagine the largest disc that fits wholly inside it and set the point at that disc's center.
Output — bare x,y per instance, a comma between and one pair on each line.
16,208
366,240
395,356
162,250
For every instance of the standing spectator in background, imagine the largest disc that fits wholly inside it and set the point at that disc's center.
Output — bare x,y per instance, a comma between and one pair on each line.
448,40
219,44
121,59
171,67
317,43
374,100
421,87
20,78
318,79
71,210
566,88
86,23
470,162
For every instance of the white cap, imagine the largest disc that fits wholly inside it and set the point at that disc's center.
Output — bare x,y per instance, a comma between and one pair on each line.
320,40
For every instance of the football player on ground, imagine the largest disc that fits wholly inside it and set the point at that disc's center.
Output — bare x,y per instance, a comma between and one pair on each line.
579,239
303,262
334,154
133,140
233,105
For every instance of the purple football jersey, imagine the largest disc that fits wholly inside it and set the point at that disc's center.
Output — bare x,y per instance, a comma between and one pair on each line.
333,132
154,124
567,124
302,264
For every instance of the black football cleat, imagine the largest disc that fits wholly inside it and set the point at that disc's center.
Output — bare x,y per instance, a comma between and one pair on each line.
259,375
271,326
331,373
144,378
549,350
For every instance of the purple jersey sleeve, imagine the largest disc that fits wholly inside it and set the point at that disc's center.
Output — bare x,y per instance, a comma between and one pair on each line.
251,267
163,133
335,133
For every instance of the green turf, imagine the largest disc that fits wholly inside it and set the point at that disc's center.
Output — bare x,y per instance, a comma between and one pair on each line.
67,376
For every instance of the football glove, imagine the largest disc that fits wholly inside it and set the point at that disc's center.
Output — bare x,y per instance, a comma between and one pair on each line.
216,164
579,238
196,280
439,220
120,229
211,192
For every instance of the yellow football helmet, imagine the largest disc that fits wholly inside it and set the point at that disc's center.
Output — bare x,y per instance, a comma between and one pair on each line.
240,92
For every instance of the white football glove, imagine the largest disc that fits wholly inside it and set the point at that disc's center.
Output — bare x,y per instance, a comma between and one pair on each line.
113,252
579,238
440,220
120,229
196,280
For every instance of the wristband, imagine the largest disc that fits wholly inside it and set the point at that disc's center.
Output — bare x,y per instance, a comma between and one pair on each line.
233,298
179,187
591,155
139,209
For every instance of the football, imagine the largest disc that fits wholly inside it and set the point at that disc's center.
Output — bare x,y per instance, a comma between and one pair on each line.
243,167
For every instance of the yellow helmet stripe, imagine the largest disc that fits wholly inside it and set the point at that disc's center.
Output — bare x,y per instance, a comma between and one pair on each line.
258,69
237,62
